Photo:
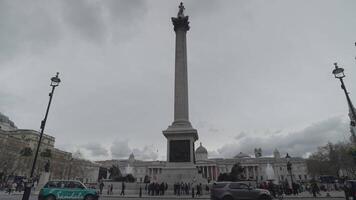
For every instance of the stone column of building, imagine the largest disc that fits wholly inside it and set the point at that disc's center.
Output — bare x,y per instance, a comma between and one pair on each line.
214,173
254,172
205,172
247,172
257,174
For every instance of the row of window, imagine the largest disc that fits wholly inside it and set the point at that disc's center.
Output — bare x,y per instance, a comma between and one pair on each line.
64,184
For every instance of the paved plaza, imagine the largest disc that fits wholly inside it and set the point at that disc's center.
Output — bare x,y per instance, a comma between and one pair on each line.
303,196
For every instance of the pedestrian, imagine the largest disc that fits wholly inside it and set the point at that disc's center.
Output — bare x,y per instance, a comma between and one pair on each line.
193,191
314,188
9,188
347,191
140,194
161,188
14,186
198,191
111,189
122,189
101,187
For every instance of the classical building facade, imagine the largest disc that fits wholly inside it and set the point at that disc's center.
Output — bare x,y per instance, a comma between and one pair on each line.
17,149
257,168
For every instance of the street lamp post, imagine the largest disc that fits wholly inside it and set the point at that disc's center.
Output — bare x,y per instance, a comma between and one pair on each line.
289,169
339,74
54,83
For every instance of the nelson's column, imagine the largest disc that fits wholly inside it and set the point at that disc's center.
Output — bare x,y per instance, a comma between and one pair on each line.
180,135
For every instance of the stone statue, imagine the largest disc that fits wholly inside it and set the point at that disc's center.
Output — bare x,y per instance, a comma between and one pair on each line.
258,152
46,167
181,10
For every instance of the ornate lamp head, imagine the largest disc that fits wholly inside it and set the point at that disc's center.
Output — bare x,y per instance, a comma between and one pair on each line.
338,72
55,80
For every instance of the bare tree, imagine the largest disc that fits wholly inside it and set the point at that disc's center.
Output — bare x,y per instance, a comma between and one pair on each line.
333,159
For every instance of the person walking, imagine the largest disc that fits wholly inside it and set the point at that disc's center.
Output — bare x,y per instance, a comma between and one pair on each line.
101,187
347,191
9,188
108,191
122,189
111,189
314,188
193,191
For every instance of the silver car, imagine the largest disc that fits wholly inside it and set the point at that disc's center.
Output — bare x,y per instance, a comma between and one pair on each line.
237,191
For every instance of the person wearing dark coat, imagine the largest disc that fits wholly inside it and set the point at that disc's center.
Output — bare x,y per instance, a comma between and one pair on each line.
122,189
101,187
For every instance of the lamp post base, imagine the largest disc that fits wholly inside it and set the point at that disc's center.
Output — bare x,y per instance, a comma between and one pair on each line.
27,192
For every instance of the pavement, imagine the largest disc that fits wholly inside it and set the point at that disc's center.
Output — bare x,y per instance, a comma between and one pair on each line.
334,195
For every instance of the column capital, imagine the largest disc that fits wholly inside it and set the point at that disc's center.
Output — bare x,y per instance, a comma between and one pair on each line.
181,23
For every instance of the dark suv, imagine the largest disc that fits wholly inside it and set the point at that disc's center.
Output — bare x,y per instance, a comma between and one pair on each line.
351,189
238,191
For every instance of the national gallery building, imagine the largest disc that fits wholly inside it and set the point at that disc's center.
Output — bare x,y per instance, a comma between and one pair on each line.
257,168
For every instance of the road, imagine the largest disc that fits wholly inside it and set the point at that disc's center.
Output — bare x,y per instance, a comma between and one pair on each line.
305,196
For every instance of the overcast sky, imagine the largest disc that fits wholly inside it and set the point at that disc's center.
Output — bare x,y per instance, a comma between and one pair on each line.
259,73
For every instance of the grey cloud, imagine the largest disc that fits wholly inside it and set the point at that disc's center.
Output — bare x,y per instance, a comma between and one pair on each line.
26,27
85,17
297,143
213,130
35,27
241,135
201,7
147,153
96,149
97,21
214,154
121,150
126,10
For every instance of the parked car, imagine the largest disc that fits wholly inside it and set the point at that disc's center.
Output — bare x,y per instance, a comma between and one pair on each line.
351,188
237,191
63,189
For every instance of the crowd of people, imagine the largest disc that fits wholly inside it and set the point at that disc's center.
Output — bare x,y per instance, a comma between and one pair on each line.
159,189
16,184
313,187
12,187
156,189
282,188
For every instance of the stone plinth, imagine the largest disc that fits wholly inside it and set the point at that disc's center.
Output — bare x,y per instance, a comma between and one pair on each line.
180,144
177,172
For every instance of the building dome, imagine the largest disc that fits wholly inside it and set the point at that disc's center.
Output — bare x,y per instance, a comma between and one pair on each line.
242,155
201,153
131,158
276,153
6,124
201,149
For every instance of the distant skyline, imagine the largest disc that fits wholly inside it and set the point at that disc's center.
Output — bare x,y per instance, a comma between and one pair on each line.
259,73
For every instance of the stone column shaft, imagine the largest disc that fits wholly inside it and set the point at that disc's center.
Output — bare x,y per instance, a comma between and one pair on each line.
181,110
247,172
